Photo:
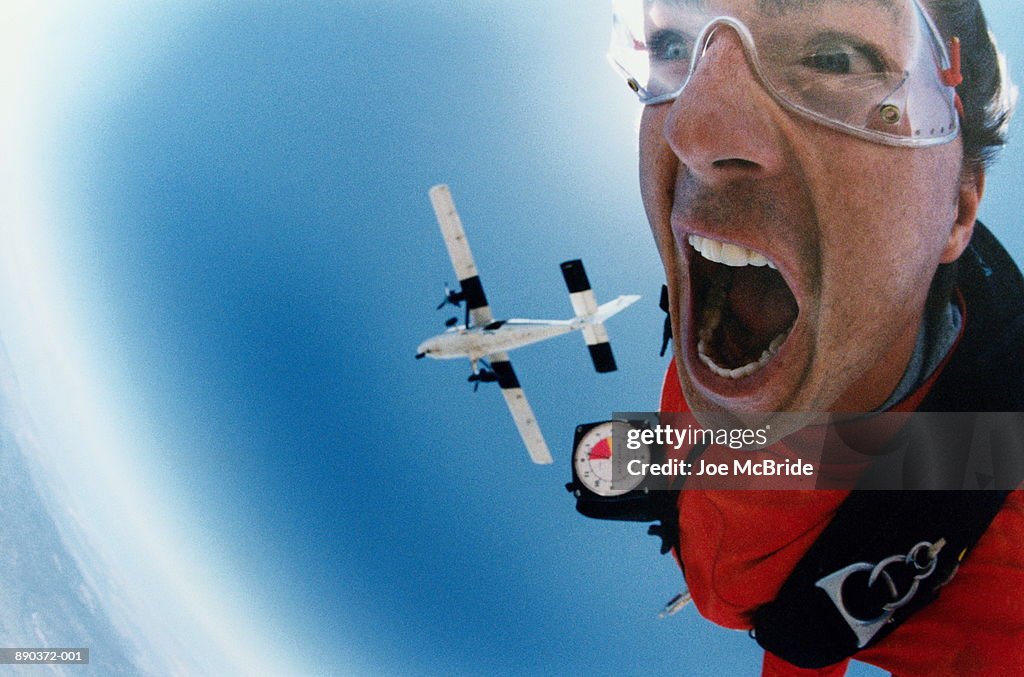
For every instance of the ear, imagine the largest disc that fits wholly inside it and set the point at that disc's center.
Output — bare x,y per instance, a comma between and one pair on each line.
972,187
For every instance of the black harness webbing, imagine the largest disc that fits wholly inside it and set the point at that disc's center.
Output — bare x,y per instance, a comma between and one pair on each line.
804,624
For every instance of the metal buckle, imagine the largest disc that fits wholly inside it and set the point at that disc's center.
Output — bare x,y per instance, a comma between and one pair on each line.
866,628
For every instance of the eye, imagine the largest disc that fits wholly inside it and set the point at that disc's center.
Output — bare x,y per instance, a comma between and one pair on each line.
669,46
844,59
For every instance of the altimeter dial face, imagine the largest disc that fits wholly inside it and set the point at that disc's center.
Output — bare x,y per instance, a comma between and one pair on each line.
603,462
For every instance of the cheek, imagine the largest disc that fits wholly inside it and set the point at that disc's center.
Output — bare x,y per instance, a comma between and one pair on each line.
884,229
658,168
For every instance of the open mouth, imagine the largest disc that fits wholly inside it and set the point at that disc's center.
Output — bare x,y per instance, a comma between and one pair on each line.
743,307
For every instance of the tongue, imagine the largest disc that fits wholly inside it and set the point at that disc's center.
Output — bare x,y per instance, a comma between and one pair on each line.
760,300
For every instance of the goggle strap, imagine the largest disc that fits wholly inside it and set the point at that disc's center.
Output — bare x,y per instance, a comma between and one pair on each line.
952,76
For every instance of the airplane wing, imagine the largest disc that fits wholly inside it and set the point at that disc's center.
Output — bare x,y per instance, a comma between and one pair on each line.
522,414
462,258
480,313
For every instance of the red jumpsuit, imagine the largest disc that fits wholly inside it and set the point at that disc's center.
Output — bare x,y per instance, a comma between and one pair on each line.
740,546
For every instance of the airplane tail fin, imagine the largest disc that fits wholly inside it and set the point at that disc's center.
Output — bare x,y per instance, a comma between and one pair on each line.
613,307
584,304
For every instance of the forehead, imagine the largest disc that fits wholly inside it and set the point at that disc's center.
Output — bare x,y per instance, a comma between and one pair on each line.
791,5
877,16
776,6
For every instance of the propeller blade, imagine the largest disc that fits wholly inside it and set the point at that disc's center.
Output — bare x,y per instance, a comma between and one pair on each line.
450,297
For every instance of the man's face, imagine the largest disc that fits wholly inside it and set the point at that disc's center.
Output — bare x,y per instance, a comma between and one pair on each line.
854,229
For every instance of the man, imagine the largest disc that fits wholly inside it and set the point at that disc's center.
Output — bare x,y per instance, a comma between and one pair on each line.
811,171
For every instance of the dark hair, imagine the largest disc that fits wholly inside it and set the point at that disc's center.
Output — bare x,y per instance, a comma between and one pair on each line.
986,92
988,97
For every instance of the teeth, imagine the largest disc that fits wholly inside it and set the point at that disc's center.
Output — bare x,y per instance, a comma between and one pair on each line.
727,253
746,369
713,249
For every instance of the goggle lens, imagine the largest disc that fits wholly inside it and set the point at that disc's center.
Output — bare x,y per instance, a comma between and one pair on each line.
872,68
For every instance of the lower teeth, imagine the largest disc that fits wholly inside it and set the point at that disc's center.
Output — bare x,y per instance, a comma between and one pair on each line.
710,319
747,369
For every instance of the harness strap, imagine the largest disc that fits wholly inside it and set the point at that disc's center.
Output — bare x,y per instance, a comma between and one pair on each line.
828,599
804,624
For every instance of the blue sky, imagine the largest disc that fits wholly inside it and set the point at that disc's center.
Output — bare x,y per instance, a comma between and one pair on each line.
229,245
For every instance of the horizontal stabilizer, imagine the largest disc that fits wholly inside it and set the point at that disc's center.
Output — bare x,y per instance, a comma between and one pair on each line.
613,307
596,336
601,354
580,294
584,304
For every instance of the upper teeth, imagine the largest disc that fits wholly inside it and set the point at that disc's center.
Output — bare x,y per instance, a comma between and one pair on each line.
727,253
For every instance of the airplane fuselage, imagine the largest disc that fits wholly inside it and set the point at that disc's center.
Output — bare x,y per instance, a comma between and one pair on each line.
494,337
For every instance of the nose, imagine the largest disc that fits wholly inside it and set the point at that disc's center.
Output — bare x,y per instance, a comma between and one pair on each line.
723,126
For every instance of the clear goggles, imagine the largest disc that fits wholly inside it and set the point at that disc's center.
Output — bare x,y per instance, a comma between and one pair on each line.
877,69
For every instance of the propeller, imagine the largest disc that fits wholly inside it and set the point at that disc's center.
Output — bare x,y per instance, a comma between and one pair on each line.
451,297
666,332
482,375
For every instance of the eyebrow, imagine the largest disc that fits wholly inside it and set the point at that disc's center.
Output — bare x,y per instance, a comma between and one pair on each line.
783,6
778,6
675,3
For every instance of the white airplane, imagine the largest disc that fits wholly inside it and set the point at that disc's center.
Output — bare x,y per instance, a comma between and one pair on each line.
482,339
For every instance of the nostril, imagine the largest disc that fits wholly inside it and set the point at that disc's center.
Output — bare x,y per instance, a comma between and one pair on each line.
734,163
